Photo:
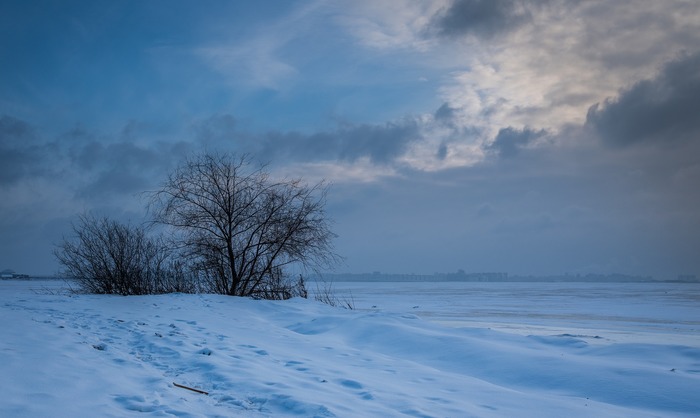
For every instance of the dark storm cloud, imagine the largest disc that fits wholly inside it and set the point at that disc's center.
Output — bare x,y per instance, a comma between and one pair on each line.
123,164
509,140
94,165
20,155
664,109
115,181
480,18
118,168
14,158
13,130
381,144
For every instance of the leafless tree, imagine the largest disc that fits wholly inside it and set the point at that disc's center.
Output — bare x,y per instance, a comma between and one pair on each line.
108,257
241,230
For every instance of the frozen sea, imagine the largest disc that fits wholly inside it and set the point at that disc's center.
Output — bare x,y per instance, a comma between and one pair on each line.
615,312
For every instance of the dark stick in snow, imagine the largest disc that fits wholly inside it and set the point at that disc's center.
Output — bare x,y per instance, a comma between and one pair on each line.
192,389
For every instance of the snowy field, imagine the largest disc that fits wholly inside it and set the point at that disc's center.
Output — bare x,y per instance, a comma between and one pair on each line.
409,349
596,312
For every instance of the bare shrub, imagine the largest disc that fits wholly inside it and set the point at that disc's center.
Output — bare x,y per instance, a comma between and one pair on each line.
325,294
108,257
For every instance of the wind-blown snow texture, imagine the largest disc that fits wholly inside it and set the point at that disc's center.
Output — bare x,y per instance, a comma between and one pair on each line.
86,355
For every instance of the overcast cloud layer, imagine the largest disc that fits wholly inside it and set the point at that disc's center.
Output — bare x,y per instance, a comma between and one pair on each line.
527,137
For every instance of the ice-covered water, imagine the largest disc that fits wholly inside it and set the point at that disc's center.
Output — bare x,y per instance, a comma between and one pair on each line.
621,312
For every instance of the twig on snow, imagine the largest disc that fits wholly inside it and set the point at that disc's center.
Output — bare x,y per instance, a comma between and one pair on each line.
192,389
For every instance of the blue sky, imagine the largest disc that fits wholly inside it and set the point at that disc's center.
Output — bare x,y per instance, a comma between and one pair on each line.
526,137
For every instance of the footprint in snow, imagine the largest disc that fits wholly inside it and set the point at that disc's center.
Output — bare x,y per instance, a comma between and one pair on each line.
100,346
293,363
259,352
352,384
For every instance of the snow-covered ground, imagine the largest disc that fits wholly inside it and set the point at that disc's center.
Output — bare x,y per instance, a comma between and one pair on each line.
482,350
597,312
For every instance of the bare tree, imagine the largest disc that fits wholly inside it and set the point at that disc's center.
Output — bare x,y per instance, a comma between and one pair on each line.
240,229
109,257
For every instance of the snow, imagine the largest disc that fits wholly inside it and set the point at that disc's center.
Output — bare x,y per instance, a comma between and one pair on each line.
409,349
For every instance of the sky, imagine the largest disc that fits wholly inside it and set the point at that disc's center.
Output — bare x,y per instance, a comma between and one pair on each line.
528,137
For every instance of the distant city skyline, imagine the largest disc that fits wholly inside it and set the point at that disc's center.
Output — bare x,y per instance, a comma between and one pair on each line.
518,136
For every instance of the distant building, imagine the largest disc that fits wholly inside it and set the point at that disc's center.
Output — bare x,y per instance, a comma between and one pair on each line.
10,274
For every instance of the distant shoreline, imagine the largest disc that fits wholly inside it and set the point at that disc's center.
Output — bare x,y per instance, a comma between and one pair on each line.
498,278
452,277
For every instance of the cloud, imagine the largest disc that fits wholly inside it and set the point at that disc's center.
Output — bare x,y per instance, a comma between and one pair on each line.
348,143
380,143
255,64
258,57
82,162
663,109
391,24
510,141
445,113
115,181
377,144
215,130
20,155
119,168
421,143
442,152
546,70
480,18
414,142
14,130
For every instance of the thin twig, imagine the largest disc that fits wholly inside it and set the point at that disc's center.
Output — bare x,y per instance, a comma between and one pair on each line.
192,389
